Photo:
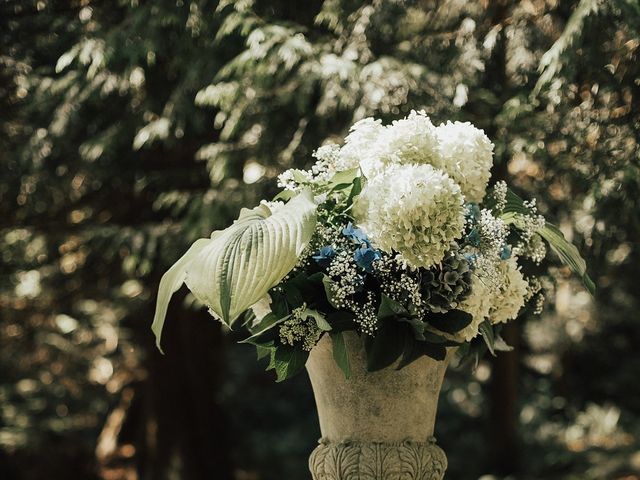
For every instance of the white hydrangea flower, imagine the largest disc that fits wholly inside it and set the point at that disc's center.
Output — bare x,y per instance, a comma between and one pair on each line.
414,210
466,154
510,296
410,140
359,143
478,304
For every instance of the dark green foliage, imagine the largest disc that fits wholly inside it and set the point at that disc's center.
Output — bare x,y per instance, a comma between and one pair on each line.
104,180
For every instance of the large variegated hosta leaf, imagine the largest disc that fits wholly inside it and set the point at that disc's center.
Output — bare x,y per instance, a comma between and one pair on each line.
237,266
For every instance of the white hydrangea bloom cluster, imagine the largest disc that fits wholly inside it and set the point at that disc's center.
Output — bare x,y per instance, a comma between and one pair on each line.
411,140
414,210
466,154
509,298
359,144
478,304
327,159
497,294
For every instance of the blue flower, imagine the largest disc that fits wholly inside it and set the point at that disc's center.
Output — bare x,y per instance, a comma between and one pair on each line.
472,212
505,253
324,256
474,237
356,235
470,258
365,256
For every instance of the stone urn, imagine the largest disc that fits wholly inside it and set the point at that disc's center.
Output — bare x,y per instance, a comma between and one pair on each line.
375,426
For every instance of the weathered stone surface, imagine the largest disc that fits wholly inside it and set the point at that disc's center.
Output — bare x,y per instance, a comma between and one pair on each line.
375,461
375,425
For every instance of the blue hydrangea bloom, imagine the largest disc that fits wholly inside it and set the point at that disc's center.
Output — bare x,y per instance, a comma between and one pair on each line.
474,237
505,254
365,256
470,258
324,256
356,234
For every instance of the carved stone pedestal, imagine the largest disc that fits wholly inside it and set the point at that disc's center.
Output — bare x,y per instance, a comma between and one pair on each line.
375,426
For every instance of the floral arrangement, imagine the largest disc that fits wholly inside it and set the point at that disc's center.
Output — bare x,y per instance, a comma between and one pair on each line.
394,235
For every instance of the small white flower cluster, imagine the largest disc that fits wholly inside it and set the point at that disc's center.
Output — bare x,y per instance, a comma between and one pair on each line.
493,233
500,195
300,329
535,293
346,278
414,210
531,244
366,314
399,282
326,165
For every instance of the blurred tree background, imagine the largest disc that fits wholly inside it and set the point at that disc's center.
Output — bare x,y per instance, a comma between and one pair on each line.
128,128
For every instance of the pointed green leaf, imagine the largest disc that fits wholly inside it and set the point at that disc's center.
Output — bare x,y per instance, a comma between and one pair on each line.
267,333
486,330
288,361
568,253
241,263
390,308
327,282
171,281
340,354
386,347
451,322
500,345
321,321
262,352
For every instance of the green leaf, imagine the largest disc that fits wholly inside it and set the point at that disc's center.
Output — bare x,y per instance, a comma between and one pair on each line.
241,263
293,295
431,337
288,361
267,335
356,189
450,322
500,345
284,195
390,308
171,281
327,282
341,320
415,349
568,253
387,345
417,326
262,352
344,178
340,354
486,330
321,321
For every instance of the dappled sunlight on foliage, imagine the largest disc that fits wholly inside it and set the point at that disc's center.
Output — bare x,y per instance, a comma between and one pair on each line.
128,129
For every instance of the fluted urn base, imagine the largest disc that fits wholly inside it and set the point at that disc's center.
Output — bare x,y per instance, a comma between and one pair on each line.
375,426
376,460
